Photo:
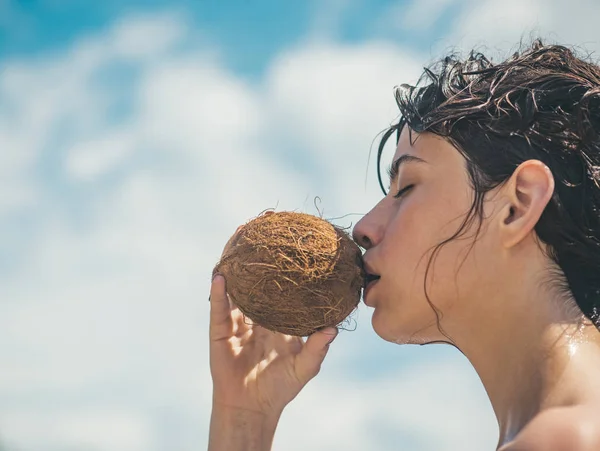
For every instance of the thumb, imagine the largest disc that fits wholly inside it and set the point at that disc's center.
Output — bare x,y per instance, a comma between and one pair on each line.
310,358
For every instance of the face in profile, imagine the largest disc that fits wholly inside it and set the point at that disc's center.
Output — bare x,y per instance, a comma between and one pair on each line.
428,276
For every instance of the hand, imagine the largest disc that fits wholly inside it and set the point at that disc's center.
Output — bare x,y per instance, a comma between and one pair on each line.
253,368
256,369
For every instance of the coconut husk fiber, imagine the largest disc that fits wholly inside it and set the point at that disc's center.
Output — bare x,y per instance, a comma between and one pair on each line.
293,273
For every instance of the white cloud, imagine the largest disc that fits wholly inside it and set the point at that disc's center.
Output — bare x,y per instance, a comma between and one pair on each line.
332,100
327,17
88,160
417,16
98,429
500,26
147,36
196,107
425,406
339,93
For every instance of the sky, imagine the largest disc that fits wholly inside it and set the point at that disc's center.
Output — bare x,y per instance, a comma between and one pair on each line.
135,136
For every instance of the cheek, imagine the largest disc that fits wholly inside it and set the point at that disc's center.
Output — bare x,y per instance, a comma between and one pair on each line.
404,308
408,241
412,254
406,312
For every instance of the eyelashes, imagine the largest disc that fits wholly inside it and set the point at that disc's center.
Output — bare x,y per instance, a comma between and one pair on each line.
403,191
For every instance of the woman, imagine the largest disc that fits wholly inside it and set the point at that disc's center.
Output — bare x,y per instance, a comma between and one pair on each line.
488,239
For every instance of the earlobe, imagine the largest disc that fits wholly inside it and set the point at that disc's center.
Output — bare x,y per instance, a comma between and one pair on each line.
528,191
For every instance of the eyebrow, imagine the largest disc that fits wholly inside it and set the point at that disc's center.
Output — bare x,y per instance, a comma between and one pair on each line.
395,166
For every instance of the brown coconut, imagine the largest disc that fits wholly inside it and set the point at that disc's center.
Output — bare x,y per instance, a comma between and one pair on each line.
293,273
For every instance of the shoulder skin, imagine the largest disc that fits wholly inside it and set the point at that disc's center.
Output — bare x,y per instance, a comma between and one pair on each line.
560,429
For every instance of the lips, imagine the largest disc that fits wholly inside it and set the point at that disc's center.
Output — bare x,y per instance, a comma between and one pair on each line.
370,278
369,273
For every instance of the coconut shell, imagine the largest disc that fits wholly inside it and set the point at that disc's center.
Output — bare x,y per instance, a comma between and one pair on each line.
293,273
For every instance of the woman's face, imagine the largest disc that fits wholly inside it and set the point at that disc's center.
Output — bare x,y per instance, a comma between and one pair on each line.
399,235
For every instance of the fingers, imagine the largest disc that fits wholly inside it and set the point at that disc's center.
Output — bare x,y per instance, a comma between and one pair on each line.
221,324
310,358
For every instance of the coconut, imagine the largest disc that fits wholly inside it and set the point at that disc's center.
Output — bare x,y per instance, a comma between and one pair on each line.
293,273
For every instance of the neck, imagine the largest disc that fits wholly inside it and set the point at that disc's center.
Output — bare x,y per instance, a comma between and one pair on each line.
530,355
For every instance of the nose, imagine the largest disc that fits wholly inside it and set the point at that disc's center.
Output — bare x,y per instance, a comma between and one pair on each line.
361,239
366,232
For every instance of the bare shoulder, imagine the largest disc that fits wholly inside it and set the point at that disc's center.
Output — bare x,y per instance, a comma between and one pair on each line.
574,428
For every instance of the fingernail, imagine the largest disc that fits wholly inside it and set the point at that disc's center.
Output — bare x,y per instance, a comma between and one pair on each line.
215,275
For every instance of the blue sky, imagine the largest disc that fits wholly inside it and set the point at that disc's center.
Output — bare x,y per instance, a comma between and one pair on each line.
249,32
136,136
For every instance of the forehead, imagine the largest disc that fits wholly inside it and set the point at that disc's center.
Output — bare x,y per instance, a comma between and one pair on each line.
434,150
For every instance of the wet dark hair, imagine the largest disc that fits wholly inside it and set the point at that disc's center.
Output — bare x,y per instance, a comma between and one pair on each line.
543,103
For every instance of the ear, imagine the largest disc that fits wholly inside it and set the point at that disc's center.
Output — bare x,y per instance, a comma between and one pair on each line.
527,191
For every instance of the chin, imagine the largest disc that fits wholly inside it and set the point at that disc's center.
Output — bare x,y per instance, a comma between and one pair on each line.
384,325
405,329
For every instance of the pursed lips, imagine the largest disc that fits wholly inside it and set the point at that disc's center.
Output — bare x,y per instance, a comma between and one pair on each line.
370,278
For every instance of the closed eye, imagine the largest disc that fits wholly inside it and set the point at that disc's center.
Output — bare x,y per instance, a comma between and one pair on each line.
403,191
